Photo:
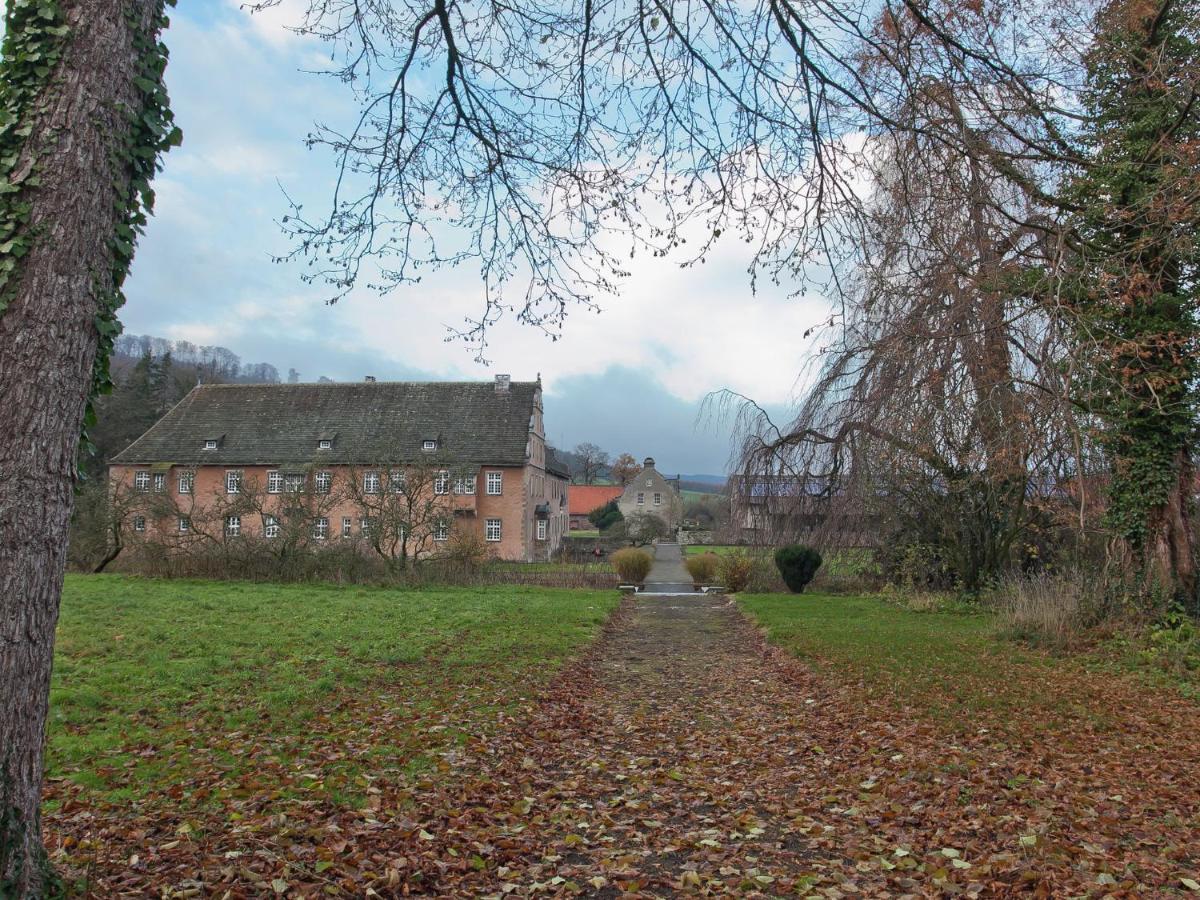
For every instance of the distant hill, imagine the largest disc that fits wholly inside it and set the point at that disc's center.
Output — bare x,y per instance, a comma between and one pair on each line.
718,480
703,484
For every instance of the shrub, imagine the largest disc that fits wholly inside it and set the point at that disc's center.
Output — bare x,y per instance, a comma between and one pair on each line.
702,568
606,516
797,565
764,577
468,549
734,570
632,565
640,529
1056,610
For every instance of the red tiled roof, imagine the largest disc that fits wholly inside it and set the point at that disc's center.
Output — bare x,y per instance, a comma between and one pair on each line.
583,498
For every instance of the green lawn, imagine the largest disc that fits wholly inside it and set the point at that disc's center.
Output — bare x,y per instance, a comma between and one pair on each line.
235,688
565,568
948,664
720,549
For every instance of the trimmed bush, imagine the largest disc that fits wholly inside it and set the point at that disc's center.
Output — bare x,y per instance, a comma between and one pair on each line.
632,565
606,516
734,570
797,565
702,568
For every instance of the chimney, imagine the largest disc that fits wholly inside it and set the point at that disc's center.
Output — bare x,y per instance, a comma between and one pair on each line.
369,379
502,383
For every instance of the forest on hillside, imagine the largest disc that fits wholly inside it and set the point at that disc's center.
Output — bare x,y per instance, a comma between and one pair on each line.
150,375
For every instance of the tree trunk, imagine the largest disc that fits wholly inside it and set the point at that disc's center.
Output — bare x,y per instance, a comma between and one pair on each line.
1170,552
80,124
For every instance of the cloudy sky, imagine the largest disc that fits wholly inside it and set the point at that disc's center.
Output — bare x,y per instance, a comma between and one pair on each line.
632,377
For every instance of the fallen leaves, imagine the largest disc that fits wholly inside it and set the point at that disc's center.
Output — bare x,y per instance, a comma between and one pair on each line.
681,755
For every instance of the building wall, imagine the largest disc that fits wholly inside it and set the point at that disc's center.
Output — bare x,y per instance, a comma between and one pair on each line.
648,483
523,489
511,506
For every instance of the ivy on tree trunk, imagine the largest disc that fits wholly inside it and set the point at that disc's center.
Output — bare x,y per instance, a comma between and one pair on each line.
1134,301
83,121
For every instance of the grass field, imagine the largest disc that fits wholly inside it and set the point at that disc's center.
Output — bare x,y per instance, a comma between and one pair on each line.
949,664
239,688
566,568
719,549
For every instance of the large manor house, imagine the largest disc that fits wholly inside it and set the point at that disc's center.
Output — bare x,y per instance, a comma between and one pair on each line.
479,449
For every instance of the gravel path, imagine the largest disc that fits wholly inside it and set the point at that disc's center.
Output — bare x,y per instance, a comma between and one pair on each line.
668,575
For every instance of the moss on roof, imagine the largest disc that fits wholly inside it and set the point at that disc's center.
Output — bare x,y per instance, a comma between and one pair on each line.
372,423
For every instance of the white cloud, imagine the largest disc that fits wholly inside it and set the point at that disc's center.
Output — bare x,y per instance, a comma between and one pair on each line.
274,24
697,329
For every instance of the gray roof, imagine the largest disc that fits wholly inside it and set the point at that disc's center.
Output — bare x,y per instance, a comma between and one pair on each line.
369,423
555,466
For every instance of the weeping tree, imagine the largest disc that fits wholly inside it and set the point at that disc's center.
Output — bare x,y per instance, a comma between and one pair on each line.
83,119
941,413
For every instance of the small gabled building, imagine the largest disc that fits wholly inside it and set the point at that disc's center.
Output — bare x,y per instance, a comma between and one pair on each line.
484,443
586,498
652,493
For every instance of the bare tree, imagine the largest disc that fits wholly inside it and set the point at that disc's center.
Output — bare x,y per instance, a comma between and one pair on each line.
280,520
943,405
99,524
588,463
407,510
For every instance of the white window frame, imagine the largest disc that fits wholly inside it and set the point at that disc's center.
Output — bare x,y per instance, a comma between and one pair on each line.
396,481
495,484
270,526
657,499
295,483
233,526
370,482
441,530
139,523
441,483
185,525
160,482
347,526
320,529
274,482
465,485
210,445
324,444
364,524
187,481
323,482
429,446
541,529
641,498
490,535
141,481
233,481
